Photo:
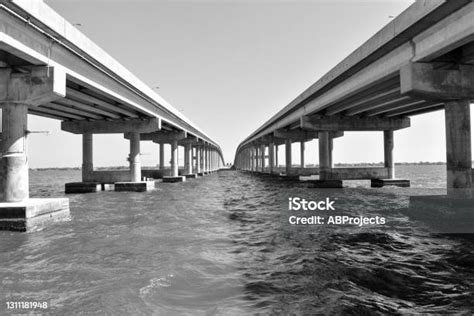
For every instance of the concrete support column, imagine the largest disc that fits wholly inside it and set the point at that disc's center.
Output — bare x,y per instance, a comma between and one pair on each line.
262,158
14,161
87,157
206,159
458,148
388,144
324,155
288,156
174,158
188,158
271,157
201,159
162,156
198,160
252,159
302,154
134,158
330,145
276,156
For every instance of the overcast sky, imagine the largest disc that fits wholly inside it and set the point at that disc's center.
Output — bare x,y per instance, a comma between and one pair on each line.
230,65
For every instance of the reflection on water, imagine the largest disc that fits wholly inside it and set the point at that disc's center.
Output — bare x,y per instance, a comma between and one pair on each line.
219,245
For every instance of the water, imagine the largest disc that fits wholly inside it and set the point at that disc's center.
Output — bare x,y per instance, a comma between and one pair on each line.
219,245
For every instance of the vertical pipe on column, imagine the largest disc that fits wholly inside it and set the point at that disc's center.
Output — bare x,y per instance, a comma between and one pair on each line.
174,158
134,159
262,158
14,183
458,148
288,156
87,157
388,144
324,156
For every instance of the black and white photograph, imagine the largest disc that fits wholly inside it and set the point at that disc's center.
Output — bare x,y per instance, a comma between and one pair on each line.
236,157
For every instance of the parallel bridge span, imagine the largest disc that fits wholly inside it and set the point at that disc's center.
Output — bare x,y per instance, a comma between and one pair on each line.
422,61
49,68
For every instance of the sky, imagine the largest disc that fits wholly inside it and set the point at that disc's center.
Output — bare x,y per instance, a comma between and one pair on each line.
229,66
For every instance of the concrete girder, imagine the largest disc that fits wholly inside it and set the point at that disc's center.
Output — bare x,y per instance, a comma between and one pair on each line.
376,98
79,113
296,135
81,96
417,109
112,127
391,100
89,108
342,123
394,106
164,137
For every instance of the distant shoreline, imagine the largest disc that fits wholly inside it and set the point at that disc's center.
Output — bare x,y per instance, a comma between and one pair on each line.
372,164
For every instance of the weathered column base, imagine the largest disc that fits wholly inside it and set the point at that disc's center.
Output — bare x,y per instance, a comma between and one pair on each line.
170,179
191,176
201,174
329,184
379,183
82,187
443,214
289,177
33,214
141,186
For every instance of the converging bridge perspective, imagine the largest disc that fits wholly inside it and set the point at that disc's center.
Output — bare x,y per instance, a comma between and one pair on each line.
50,69
422,61
347,123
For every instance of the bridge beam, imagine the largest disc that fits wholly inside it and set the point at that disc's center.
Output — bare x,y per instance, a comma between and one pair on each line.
424,80
343,123
112,127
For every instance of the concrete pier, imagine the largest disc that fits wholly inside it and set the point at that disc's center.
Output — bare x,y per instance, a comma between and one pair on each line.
14,162
302,145
20,91
458,148
174,177
288,157
162,156
134,158
271,157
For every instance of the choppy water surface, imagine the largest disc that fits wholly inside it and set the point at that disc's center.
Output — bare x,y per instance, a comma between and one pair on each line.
218,245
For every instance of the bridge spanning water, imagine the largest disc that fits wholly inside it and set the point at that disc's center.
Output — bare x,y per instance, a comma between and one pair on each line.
420,62
50,69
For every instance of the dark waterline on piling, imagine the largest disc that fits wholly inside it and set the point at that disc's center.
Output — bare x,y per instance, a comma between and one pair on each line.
218,245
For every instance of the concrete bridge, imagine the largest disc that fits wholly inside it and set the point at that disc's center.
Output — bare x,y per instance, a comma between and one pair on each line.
48,68
422,61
